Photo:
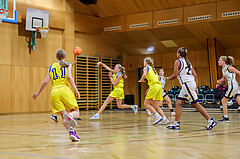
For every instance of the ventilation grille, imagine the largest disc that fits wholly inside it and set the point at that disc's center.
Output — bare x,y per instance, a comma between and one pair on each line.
113,28
202,17
230,14
139,25
164,22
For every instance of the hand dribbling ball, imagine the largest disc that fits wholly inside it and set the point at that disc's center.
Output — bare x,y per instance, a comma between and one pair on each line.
77,51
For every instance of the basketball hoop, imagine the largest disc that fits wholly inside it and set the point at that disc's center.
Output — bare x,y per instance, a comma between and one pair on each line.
3,14
43,31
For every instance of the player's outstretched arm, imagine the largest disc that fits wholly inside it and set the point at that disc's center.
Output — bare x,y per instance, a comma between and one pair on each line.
233,69
105,66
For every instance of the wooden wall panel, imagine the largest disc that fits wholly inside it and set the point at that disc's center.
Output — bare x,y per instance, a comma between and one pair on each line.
87,24
20,52
52,44
19,89
114,22
93,45
192,57
6,39
236,55
227,6
138,19
199,10
202,59
51,4
5,95
157,60
168,60
169,14
203,76
36,77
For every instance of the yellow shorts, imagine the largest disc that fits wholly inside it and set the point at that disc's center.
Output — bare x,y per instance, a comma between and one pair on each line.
62,98
155,92
117,93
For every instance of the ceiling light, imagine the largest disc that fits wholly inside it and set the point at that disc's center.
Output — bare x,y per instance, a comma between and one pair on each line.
150,49
169,43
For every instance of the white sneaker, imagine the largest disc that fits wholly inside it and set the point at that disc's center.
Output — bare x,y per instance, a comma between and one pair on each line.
157,120
95,116
238,108
164,122
135,108
70,119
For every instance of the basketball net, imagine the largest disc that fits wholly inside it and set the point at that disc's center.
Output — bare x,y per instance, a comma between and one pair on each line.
43,31
3,14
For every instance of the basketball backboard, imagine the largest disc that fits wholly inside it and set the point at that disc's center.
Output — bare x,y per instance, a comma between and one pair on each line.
36,18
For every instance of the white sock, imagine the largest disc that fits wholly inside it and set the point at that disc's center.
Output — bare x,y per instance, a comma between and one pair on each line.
164,118
157,115
225,116
176,123
209,120
70,129
97,114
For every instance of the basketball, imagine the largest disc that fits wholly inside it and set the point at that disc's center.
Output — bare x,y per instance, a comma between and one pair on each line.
77,51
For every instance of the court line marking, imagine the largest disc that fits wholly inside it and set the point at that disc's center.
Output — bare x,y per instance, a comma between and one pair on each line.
18,154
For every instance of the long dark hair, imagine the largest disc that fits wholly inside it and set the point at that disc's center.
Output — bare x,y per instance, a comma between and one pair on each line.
61,55
183,52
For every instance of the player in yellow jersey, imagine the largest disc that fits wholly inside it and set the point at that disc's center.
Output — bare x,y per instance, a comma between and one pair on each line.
118,92
155,92
62,98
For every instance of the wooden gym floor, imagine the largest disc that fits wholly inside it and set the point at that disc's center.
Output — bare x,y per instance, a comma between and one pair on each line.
118,135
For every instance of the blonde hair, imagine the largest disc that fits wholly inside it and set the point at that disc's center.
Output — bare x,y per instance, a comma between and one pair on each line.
150,62
122,70
61,55
229,60
161,68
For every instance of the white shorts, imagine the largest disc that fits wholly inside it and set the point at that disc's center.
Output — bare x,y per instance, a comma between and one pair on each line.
188,92
232,91
163,93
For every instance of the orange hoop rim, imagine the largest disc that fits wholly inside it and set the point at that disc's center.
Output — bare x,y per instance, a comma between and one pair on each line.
41,28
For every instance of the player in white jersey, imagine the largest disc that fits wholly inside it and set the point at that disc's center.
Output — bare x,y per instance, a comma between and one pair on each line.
162,79
229,74
187,77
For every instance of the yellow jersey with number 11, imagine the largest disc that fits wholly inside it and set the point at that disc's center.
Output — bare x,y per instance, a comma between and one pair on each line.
58,75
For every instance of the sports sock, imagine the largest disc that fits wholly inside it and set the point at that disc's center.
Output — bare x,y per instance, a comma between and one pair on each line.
164,118
157,115
176,122
70,129
225,116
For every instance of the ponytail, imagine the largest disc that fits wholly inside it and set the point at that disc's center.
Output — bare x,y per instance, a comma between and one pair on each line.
63,63
122,70
229,60
150,62
61,55
183,52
